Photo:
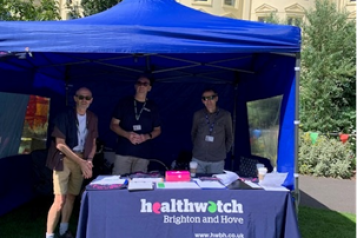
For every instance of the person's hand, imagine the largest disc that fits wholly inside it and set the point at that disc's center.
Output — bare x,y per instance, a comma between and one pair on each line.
134,138
86,169
142,138
89,175
90,163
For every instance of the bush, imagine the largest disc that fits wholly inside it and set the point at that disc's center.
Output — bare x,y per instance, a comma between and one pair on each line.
327,157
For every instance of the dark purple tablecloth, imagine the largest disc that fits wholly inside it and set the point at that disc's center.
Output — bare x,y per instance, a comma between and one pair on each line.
187,213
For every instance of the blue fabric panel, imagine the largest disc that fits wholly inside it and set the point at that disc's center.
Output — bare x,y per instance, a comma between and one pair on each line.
18,170
47,83
286,157
149,26
12,118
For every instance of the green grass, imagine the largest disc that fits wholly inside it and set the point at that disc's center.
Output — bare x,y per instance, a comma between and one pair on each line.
319,223
29,221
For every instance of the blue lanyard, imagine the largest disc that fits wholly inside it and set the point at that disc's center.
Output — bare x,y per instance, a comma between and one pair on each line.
137,116
211,125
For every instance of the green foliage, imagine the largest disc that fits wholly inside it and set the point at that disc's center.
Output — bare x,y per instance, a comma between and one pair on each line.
90,7
19,10
328,70
327,157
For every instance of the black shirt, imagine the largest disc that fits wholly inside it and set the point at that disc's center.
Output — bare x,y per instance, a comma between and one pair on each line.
148,120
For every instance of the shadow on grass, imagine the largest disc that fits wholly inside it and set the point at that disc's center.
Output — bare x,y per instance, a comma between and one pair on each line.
318,221
29,220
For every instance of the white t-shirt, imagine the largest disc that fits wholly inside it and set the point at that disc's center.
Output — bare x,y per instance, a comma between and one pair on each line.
82,132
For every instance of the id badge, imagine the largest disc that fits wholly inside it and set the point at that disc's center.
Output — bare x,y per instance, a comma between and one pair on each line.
209,138
136,127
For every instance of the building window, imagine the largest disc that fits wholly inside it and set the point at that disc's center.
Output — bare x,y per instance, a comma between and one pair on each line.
202,2
294,21
229,3
262,19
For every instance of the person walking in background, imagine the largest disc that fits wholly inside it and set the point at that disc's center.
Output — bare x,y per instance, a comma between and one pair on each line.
136,122
211,134
71,158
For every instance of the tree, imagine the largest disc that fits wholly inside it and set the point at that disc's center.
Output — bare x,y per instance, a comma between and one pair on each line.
19,10
90,7
328,74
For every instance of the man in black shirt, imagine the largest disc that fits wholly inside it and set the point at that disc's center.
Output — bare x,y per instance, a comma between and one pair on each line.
136,122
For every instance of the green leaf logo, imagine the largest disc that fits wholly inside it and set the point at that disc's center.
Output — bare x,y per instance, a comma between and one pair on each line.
212,208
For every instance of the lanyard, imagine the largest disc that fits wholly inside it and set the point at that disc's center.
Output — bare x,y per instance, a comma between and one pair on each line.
137,116
211,125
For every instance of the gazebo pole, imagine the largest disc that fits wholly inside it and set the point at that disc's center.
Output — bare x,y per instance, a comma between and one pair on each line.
234,121
296,133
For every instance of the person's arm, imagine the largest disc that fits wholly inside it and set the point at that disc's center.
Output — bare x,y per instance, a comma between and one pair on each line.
93,151
149,136
194,127
85,167
229,132
131,136
114,126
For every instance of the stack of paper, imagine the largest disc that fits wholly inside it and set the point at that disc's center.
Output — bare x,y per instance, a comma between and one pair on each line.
209,184
153,180
227,178
273,182
140,185
108,180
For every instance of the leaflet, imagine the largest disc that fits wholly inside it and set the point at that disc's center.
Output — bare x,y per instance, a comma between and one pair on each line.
207,184
108,180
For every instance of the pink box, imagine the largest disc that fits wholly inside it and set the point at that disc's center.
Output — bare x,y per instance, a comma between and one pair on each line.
177,176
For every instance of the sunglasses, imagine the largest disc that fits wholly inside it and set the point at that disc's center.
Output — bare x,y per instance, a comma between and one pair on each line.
142,84
81,97
209,97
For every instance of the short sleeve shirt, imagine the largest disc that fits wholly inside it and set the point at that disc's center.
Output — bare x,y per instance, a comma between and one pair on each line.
148,120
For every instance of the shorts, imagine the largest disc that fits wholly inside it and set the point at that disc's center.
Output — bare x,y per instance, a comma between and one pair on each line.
69,180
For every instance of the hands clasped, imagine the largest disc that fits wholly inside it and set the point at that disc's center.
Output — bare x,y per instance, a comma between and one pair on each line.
86,168
136,139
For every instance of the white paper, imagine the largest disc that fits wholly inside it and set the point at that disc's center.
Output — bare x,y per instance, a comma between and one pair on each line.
209,184
273,182
153,180
108,180
274,188
251,184
140,185
177,185
227,178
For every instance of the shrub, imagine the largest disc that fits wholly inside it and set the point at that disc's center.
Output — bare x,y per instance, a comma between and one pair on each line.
327,157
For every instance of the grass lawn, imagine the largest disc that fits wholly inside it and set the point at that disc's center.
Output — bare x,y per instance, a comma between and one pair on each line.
319,223
29,221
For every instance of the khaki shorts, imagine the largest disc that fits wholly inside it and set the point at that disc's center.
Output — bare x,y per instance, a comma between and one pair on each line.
69,180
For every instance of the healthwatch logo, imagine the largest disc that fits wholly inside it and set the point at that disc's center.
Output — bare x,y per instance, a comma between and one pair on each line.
178,205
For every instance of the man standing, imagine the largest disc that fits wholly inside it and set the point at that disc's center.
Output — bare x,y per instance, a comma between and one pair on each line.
212,135
70,156
136,122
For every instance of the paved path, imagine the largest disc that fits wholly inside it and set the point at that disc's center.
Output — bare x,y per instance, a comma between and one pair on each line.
328,193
